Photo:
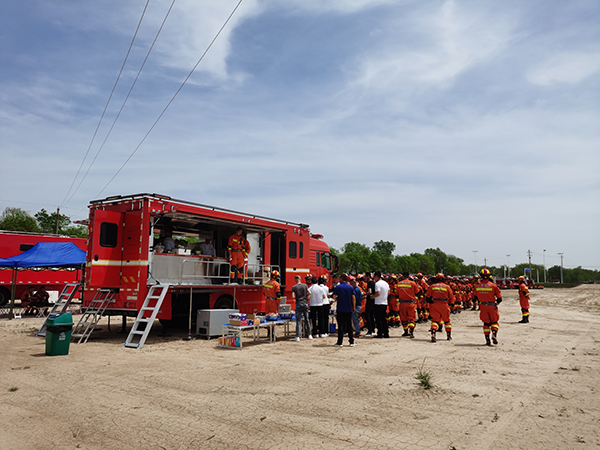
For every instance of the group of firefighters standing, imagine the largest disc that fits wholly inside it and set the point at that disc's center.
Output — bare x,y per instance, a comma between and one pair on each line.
382,302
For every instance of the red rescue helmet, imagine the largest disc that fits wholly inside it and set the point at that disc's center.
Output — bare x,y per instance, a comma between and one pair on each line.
440,276
275,273
521,277
485,273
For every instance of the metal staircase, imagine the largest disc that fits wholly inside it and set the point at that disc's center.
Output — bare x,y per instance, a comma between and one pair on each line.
145,318
92,314
62,304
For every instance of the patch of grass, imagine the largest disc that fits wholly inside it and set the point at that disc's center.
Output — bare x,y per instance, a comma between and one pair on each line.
424,377
13,389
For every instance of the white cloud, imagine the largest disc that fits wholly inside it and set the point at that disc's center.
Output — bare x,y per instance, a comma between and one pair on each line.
451,40
567,67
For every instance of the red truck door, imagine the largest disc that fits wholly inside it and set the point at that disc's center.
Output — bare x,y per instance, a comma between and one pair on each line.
106,249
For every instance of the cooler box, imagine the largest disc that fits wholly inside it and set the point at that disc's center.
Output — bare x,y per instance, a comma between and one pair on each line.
209,322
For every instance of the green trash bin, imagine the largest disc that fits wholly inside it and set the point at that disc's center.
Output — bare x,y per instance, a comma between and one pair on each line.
58,334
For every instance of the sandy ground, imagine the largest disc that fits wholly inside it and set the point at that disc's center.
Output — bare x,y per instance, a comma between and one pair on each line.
538,389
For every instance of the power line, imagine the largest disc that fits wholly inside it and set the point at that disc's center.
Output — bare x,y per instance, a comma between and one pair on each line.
124,101
172,99
108,101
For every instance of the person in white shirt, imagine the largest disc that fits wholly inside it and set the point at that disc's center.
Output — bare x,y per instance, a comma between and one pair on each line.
382,290
316,301
207,248
324,312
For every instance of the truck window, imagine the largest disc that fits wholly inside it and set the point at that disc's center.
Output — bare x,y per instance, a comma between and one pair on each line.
108,234
25,247
293,249
326,261
318,259
301,250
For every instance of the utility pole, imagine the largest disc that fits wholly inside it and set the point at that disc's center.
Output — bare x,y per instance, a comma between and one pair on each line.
485,262
476,268
508,265
529,255
544,265
561,267
57,216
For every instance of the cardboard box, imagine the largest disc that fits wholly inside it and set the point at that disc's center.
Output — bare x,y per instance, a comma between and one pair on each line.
238,323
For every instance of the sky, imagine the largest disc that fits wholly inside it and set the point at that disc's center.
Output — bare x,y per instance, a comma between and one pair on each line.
473,127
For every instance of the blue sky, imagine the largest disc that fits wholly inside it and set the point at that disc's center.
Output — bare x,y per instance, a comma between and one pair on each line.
453,124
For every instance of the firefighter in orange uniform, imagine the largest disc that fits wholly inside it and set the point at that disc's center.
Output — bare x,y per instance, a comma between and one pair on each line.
421,303
238,248
489,297
407,291
439,296
393,317
272,294
524,299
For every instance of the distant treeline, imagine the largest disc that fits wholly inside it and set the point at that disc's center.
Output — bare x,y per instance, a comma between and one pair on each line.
357,258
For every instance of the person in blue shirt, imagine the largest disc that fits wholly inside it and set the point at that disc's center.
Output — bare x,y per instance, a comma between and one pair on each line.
343,294
356,312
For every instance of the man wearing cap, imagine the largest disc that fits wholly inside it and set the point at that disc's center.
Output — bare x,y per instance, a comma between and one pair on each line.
439,295
524,299
407,291
489,296
272,294
238,248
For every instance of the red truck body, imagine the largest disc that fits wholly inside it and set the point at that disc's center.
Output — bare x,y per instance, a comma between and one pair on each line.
13,243
123,254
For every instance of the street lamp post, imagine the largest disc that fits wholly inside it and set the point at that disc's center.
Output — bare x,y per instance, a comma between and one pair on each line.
561,267
508,265
544,265
475,251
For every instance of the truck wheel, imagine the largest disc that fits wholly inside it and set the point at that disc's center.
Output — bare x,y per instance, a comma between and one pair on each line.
4,296
224,302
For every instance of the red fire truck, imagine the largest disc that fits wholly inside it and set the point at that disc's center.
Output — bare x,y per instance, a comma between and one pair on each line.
13,243
126,254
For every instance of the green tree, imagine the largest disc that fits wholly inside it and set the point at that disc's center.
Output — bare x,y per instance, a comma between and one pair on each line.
47,224
385,249
15,219
424,263
439,259
47,221
406,263
454,265
354,257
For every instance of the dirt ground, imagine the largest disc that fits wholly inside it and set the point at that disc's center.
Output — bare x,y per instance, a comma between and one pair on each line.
538,389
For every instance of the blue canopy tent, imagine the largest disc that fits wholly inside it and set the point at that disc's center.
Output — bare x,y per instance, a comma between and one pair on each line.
43,254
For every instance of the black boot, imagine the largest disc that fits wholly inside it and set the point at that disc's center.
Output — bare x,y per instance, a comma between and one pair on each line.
487,341
448,336
433,339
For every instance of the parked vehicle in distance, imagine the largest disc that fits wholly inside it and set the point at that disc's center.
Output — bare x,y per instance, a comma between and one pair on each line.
13,243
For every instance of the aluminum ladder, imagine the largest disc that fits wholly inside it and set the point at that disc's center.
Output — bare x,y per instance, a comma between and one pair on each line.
143,323
62,303
92,314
